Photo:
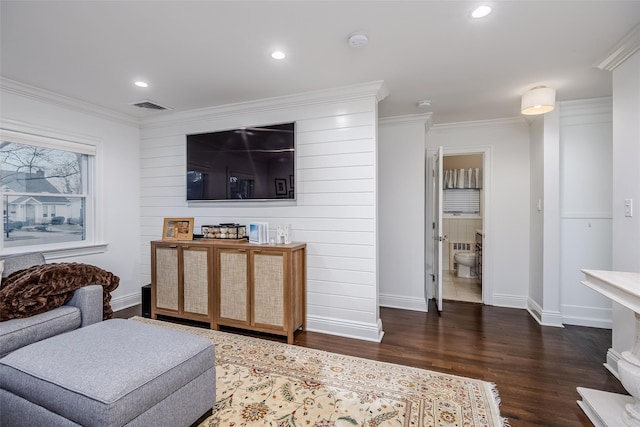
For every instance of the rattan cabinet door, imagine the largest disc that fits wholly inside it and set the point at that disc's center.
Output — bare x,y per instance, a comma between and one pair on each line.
268,289
233,285
166,277
196,280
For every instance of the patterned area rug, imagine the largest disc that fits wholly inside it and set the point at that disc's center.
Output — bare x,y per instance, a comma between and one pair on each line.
261,382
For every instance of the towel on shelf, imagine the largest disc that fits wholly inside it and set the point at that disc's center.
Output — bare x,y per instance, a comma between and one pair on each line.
460,178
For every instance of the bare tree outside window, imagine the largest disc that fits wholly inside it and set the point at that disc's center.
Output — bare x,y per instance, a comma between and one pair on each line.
44,192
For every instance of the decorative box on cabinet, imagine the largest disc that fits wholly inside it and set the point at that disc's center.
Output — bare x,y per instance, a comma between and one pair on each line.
181,280
261,287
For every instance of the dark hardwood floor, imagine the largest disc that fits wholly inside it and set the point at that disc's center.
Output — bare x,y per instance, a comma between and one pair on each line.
536,368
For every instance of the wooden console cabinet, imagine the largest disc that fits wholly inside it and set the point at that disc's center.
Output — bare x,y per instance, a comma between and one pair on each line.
237,284
261,287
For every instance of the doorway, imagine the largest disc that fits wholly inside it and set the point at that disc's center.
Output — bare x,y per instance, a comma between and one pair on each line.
460,224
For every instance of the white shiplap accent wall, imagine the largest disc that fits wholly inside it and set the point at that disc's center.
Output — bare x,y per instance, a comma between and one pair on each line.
336,208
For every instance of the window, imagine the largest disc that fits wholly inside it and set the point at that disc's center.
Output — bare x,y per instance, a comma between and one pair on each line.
46,194
461,202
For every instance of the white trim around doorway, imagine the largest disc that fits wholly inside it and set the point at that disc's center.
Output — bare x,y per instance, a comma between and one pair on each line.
487,246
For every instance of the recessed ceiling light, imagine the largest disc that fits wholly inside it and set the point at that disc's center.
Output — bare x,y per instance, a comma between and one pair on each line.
278,54
481,12
141,84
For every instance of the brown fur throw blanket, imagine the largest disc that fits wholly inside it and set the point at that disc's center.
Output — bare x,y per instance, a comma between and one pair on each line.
43,287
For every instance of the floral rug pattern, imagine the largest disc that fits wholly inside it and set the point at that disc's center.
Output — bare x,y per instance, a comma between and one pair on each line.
261,382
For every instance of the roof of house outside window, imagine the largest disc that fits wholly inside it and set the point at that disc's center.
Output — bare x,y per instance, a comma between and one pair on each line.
25,182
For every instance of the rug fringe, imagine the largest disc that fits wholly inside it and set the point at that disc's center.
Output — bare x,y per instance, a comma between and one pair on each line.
504,422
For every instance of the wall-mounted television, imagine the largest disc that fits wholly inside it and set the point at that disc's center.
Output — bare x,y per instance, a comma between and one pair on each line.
249,163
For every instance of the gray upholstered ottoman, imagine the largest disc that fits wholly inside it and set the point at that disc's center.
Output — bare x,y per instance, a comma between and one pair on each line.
113,373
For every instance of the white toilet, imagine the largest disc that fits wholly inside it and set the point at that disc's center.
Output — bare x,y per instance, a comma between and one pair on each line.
465,260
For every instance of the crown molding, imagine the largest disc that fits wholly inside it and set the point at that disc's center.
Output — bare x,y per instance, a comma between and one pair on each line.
42,95
425,119
593,110
377,89
621,51
409,118
509,121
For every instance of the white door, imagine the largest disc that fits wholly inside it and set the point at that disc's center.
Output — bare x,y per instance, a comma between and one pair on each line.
437,227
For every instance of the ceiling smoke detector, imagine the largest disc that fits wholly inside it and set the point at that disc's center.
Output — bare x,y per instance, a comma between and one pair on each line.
150,105
358,40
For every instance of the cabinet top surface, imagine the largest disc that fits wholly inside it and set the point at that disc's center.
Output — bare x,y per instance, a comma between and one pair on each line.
231,243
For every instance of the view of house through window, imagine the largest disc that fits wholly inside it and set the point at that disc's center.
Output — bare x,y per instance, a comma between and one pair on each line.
44,194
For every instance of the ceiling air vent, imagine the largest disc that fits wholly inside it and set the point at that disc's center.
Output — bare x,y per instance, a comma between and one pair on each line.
150,105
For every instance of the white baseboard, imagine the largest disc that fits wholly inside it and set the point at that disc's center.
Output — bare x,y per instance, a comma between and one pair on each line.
510,301
552,318
613,357
544,317
340,327
126,301
403,302
594,317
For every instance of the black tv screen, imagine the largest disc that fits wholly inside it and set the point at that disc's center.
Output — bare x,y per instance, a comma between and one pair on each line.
252,163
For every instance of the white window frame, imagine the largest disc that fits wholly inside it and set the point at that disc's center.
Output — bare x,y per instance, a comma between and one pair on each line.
25,133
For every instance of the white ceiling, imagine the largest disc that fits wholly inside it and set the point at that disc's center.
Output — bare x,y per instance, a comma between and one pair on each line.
197,54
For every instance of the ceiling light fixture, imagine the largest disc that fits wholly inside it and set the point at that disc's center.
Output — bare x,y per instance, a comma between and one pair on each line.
424,103
481,12
357,40
278,54
140,83
539,100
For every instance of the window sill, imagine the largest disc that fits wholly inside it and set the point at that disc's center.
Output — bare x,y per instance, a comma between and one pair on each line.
61,252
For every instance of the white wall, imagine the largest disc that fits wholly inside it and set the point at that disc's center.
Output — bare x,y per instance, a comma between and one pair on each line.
401,195
119,174
626,185
336,208
585,207
570,211
550,312
506,243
